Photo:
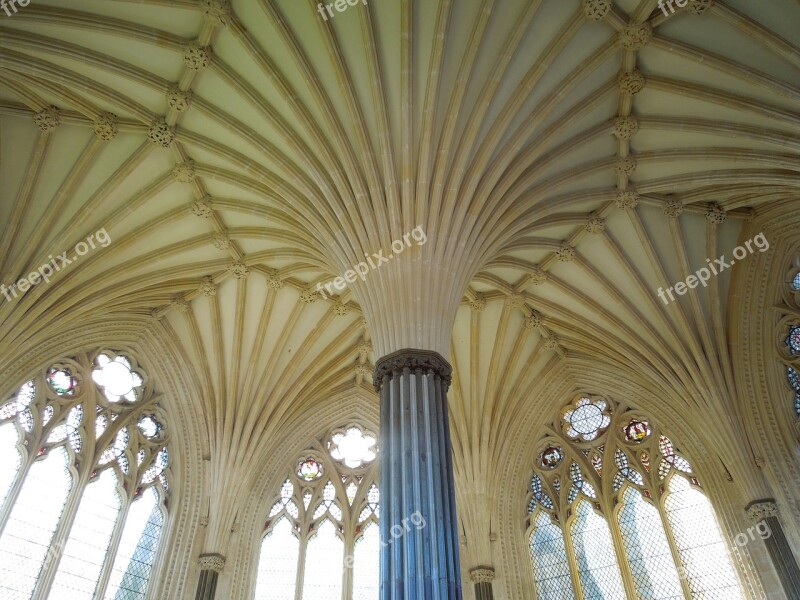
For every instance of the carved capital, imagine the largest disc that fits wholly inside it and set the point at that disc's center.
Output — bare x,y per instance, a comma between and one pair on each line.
212,562
481,575
421,361
762,509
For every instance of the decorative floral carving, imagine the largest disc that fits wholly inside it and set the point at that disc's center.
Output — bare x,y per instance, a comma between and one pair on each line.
217,11
239,270
208,288
551,342
698,7
161,134
626,127
197,57
635,36
625,166
632,83
178,99
627,199
212,562
202,208
274,281
565,252
482,575
105,127
764,509
47,119
595,10
179,303
222,242
420,361
716,214
596,225
534,321
673,208
538,275
515,300
184,171
478,304
340,308
307,296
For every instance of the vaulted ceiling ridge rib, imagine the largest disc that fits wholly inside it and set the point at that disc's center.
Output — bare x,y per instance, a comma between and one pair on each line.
720,97
61,49
756,31
66,18
24,63
347,214
726,128
442,164
736,69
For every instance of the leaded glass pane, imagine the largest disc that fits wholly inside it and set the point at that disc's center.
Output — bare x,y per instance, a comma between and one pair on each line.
33,520
647,549
136,555
366,564
89,537
594,552
324,563
277,567
10,459
549,557
706,562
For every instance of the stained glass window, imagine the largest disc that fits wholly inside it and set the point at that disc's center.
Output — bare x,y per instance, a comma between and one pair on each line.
795,285
328,525
596,491
115,524
793,341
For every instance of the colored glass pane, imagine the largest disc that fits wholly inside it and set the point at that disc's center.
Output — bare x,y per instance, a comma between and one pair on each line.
62,381
552,456
637,431
309,469
794,340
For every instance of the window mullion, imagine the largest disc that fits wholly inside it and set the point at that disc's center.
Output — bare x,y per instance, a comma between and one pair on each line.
622,555
113,547
349,551
572,560
301,560
673,546
16,488
59,541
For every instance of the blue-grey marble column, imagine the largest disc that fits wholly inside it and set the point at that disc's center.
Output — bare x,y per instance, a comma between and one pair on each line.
419,530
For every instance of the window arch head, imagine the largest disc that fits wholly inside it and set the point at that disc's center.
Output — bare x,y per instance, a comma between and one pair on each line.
605,475
88,432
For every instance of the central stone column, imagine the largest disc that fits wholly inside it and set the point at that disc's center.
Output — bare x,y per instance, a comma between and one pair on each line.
418,525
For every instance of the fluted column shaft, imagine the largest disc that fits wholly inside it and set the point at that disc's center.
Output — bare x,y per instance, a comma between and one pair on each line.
777,546
483,577
210,567
420,562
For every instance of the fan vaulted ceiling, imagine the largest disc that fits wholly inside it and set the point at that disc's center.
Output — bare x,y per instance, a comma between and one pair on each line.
565,159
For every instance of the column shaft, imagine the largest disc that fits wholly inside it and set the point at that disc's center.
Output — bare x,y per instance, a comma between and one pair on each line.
777,545
419,529
210,567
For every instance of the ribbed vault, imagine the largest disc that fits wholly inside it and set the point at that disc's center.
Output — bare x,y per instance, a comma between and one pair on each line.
565,160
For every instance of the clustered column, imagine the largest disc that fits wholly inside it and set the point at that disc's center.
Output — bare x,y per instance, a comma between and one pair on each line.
419,563
777,545
483,577
211,566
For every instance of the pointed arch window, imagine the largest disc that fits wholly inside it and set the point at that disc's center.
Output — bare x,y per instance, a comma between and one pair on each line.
790,328
321,536
614,509
84,481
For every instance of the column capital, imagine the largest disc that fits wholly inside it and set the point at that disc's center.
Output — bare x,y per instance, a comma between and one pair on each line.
416,360
212,562
762,509
482,575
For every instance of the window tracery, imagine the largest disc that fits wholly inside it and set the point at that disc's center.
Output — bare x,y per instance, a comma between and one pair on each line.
84,481
321,536
790,328
603,522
